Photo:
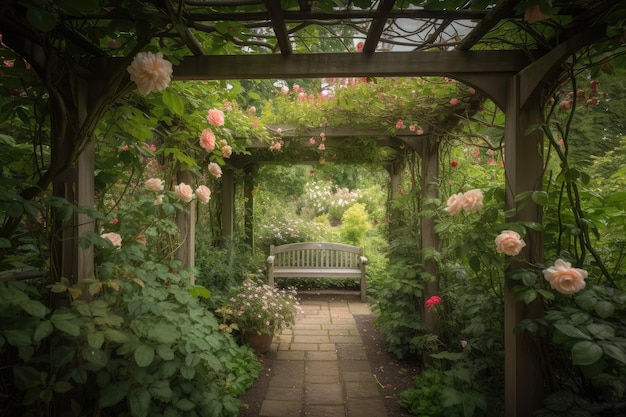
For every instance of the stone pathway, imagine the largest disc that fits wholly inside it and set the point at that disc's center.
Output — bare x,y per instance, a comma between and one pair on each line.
321,368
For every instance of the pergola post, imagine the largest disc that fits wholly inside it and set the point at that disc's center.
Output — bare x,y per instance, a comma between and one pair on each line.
186,222
524,386
228,202
429,154
248,196
76,185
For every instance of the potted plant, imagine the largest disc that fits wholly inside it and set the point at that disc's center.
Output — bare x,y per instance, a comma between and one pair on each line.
260,311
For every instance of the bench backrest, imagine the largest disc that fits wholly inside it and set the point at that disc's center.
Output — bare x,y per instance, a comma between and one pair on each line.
316,255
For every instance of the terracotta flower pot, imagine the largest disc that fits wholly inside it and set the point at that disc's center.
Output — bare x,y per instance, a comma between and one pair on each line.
260,343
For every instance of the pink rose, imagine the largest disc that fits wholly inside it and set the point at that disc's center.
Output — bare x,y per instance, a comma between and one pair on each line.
321,147
215,170
399,124
284,89
150,72
215,117
154,184
473,200
454,101
114,238
565,279
203,194
455,204
207,139
509,243
184,192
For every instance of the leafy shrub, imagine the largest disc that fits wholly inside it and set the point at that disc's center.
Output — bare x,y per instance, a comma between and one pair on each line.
143,346
355,224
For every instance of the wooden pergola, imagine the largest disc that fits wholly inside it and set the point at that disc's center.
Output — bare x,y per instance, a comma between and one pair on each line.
486,44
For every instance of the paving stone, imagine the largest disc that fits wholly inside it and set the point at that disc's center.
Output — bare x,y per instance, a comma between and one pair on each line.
312,332
324,411
311,339
290,355
321,379
322,356
321,368
351,351
326,346
275,408
285,393
360,407
304,346
328,394
346,339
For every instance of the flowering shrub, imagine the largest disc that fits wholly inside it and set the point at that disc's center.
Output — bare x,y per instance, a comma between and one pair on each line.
260,308
323,198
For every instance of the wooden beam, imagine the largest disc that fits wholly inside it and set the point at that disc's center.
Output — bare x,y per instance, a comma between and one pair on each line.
523,381
380,64
279,26
377,26
537,73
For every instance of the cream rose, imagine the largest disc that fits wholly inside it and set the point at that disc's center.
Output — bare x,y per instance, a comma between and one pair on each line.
150,72
215,169
184,192
215,117
203,194
509,243
227,151
565,279
159,200
455,204
154,184
114,238
473,200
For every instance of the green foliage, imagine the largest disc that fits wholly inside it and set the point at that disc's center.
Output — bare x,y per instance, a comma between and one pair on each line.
355,224
143,345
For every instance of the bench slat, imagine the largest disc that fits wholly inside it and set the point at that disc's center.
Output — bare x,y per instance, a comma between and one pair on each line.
317,260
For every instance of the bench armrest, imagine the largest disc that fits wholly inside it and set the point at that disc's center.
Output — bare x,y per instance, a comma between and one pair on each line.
363,260
270,259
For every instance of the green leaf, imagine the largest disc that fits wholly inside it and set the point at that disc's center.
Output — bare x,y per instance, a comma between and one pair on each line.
571,331
97,357
40,19
614,351
34,308
174,102
604,309
162,390
43,330
95,339
601,331
4,243
112,394
586,353
184,404
200,291
144,355
139,400
25,377
65,325
17,337
115,336
165,352
540,197
61,387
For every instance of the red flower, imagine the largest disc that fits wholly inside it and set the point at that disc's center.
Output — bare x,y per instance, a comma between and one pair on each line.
432,301
454,164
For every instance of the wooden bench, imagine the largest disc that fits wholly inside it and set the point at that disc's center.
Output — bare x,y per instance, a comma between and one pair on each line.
317,260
